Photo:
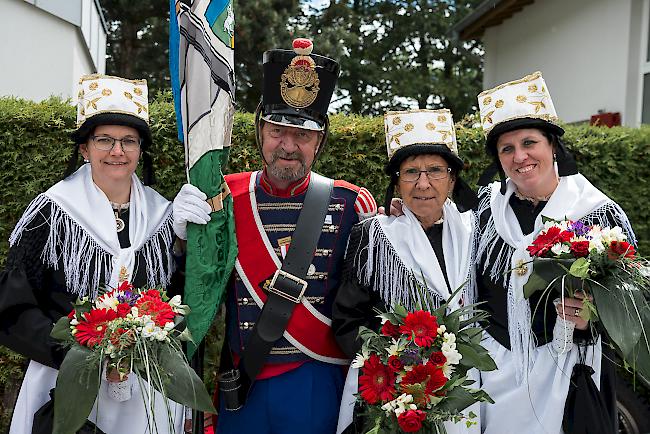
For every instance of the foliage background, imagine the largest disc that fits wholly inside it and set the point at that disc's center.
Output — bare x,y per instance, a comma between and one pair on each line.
34,151
377,43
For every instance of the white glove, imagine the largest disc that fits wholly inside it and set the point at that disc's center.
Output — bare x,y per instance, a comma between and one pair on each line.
189,206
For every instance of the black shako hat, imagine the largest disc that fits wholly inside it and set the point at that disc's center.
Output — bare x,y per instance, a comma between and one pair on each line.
298,86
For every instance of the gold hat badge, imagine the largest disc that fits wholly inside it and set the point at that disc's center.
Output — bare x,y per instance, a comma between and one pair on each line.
299,84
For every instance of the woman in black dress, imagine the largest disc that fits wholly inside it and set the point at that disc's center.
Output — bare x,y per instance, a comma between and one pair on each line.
532,383
389,260
98,227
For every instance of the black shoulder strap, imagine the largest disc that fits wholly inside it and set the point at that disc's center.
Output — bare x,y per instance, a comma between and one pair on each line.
288,284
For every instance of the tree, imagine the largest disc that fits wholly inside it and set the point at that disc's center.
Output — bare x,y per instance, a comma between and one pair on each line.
260,25
398,54
138,40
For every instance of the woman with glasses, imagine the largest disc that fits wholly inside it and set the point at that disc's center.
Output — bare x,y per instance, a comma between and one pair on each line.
538,388
98,227
389,260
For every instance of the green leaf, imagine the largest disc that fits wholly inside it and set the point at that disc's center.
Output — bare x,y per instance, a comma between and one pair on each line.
580,268
400,310
78,378
475,356
457,399
184,386
61,330
617,309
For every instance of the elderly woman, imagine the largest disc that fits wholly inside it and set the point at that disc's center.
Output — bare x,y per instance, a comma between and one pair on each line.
389,258
96,228
538,178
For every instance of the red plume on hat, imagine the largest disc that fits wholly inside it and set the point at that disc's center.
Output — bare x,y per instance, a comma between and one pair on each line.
303,46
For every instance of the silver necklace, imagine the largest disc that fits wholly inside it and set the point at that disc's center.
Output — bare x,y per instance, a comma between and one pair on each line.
117,210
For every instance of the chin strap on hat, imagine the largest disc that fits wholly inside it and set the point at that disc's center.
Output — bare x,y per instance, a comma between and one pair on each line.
464,197
488,175
390,191
148,177
566,163
258,134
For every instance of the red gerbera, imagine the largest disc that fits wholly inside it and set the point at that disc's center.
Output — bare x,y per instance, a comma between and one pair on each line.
377,381
421,325
545,240
151,304
92,327
125,286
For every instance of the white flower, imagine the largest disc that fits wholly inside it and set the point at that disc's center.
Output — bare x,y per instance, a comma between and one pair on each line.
360,360
596,240
450,338
559,248
399,405
169,326
613,234
160,334
149,329
448,370
395,348
73,321
450,352
441,329
106,302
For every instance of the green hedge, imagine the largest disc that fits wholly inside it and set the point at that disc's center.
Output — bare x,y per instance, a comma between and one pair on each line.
34,150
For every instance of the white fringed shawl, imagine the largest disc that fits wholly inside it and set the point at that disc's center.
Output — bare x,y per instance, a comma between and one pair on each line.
83,235
400,260
575,198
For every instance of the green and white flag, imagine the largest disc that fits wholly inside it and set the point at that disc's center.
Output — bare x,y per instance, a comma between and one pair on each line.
201,49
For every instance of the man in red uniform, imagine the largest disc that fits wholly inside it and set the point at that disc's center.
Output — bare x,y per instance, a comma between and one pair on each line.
297,379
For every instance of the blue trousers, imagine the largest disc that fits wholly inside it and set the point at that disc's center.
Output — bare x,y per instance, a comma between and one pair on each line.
302,401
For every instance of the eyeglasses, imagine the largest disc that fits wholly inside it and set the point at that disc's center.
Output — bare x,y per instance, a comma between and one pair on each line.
106,143
433,173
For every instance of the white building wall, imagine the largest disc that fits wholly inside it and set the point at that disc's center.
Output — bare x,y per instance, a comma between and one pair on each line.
43,54
581,46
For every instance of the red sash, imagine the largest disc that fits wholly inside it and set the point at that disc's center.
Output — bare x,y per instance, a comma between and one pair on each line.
307,330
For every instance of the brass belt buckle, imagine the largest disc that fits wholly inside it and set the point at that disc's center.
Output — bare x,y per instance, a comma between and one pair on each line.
293,278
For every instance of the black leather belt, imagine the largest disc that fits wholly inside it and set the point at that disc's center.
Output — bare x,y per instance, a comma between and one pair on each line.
288,284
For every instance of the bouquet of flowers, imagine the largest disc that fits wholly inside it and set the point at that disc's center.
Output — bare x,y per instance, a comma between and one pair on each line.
413,373
132,331
569,256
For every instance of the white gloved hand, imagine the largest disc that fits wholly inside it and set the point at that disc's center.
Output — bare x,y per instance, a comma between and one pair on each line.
189,206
